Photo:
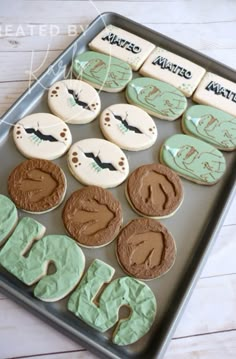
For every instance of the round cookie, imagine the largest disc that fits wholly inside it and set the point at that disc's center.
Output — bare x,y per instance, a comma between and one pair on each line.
145,249
128,126
37,186
98,162
42,135
154,191
74,101
92,216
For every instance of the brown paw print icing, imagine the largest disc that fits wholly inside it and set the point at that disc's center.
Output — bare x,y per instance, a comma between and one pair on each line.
55,92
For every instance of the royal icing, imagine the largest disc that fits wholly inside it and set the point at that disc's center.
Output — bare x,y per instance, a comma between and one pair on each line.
103,72
42,135
156,97
98,162
122,44
176,70
212,125
193,159
74,101
128,126
125,291
8,217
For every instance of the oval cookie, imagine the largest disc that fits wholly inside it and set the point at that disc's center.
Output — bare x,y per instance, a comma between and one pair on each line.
145,249
103,72
193,159
42,135
154,191
212,125
98,162
128,126
74,101
158,98
92,216
37,186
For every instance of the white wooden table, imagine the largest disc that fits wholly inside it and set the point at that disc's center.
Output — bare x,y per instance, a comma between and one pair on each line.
208,326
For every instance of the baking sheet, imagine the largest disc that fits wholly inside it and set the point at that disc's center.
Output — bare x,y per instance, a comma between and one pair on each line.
194,226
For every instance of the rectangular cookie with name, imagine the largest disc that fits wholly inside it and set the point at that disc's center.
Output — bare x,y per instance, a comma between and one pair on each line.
122,44
218,92
176,70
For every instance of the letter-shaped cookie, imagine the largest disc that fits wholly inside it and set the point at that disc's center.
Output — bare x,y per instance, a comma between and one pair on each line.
125,291
8,217
60,250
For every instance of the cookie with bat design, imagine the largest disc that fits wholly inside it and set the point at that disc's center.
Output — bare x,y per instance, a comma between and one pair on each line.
74,101
42,135
128,126
94,161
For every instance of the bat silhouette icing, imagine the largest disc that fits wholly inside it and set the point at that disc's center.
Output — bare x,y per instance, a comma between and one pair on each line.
128,126
193,159
98,162
212,125
156,97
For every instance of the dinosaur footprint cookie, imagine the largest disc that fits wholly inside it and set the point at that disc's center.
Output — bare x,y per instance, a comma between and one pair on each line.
98,162
128,126
74,101
193,159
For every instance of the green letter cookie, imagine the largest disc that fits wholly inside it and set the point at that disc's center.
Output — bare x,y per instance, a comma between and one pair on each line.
157,98
8,217
103,72
124,291
193,159
62,251
211,125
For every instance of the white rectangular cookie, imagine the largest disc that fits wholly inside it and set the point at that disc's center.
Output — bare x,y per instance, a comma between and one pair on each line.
176,70
218,92
122,44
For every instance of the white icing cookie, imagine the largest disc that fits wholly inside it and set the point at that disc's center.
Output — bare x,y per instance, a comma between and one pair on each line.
74,101
176,70
42,135
128,126
98,162
217,92
122,44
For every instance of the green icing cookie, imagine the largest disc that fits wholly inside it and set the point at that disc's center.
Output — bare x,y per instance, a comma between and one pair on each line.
104,72
212,125
193,159
125,291
8,217
61,250
157,98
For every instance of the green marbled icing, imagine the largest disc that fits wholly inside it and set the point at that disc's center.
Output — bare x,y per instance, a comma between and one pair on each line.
122,291
8,217
193,158
212,125
66,255
101,70
157,97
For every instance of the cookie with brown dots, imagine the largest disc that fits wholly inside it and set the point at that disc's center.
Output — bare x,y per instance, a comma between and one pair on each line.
98,162
42,135
74,101
128,126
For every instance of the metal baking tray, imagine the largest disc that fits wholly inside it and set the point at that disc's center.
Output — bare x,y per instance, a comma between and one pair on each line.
194,226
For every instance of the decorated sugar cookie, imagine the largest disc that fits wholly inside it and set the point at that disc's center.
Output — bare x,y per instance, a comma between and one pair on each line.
42,135
8,217
128,126
212,125
103,72
158,98
98,162
193,159
74,101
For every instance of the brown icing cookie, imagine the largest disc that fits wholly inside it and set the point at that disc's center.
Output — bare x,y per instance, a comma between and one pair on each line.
37,186
145,249
92,216
154,191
